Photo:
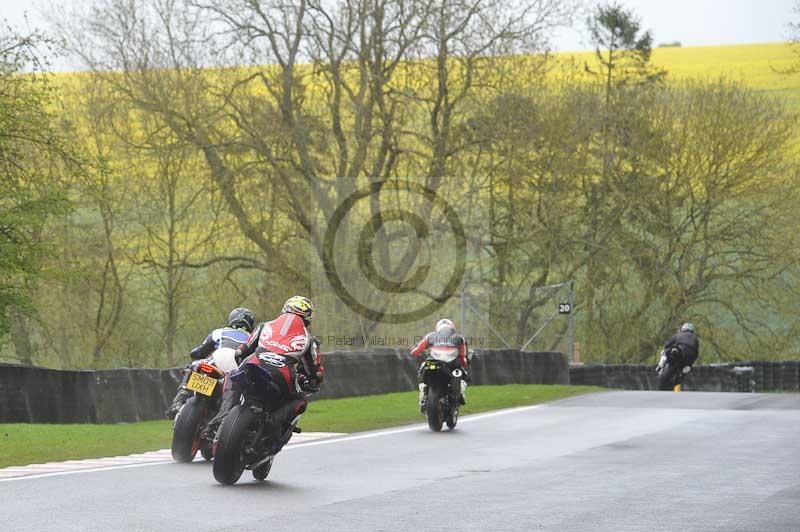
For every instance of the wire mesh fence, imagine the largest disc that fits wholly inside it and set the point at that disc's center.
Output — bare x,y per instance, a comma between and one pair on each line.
539,318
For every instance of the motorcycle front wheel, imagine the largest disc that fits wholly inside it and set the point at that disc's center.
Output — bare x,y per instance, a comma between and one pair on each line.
261,472
452,418
229,456
207,452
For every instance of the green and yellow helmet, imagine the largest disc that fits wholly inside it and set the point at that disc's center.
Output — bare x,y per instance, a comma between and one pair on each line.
302,306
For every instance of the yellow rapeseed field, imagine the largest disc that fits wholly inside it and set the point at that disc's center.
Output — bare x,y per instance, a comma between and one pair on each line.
761,66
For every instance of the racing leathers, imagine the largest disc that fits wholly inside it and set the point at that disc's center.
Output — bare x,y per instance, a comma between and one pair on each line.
687,343
445,337
224,337
294,362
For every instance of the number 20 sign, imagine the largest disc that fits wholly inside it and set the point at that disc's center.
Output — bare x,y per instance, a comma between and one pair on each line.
564,308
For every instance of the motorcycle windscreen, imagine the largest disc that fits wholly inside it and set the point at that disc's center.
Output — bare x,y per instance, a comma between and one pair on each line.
224,358
445,354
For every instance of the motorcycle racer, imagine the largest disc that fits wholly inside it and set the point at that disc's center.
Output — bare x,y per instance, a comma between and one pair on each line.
291,353
445,335
237,329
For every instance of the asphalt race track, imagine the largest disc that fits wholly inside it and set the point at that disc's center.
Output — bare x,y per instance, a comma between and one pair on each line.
616,461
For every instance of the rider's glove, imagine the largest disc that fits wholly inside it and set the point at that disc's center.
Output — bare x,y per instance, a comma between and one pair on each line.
306,384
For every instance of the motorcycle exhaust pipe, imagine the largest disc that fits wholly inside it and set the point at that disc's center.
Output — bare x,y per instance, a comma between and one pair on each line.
262,461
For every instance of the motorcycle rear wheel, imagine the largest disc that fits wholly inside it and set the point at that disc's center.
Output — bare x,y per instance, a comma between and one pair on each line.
186,434
433,405
229,459
666,379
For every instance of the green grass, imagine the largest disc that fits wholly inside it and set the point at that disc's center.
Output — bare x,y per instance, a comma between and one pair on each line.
353,414
22,443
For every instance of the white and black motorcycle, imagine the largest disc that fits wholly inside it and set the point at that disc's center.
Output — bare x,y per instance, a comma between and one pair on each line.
443,387
204,380
672,369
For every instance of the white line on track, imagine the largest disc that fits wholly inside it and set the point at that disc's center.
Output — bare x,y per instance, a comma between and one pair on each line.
411,428
324,439
161,456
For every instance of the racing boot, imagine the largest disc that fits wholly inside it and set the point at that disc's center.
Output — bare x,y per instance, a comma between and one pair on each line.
462,399
230,398
279,429
180,398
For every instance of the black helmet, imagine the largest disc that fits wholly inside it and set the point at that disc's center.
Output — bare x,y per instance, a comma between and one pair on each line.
242,318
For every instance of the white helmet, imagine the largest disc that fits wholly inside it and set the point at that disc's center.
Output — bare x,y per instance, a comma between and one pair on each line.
444,322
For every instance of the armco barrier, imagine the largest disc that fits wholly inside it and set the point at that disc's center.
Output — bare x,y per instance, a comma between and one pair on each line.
38,395
759,376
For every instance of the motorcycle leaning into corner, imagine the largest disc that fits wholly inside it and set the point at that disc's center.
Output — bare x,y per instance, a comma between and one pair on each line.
443,385
248,437
671,370
204,379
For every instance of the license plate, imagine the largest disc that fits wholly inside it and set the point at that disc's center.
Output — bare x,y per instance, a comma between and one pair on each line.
201,384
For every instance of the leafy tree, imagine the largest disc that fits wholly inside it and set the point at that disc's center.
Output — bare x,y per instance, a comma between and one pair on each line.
32,155
793,28
622,49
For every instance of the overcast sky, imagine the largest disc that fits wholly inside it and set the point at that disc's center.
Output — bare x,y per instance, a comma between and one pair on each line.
703,22
692,22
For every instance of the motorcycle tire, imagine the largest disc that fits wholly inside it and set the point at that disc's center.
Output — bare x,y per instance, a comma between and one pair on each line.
666,379
260,473
186,434
452,419
433,407
229,458
207,452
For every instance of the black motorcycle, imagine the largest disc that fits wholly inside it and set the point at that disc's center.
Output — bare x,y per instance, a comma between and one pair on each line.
672,369
442,376
245,440
188,432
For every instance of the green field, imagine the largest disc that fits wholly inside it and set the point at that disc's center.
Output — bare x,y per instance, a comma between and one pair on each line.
22,443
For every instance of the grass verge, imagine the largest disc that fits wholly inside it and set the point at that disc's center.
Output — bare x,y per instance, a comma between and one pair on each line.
22,443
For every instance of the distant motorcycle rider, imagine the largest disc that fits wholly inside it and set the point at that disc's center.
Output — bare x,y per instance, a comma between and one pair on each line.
445,335
300,371
687,344
239,326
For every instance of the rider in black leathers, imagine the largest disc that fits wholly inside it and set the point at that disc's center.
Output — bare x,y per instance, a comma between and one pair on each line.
687,342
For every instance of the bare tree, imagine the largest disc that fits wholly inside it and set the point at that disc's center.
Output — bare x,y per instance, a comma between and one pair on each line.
334,96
